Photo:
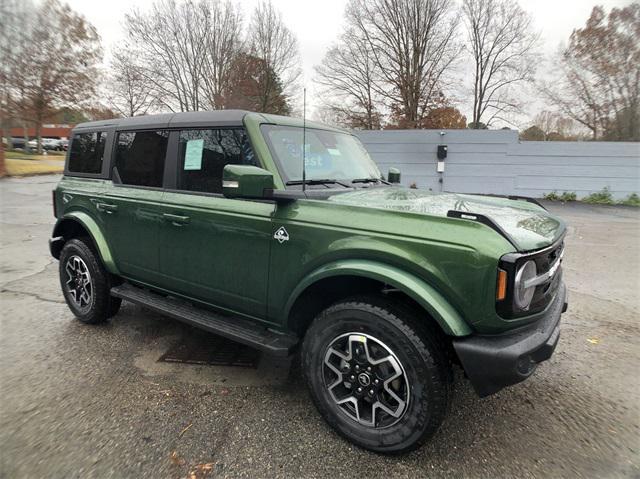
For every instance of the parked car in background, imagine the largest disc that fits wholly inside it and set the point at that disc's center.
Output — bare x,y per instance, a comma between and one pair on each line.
64,144
49,144
19,143
52,144
210,218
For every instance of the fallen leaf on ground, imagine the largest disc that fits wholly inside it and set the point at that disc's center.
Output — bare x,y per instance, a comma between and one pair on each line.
185,430
176,459
200,470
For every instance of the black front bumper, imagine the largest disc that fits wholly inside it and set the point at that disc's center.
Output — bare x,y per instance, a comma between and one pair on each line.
494,362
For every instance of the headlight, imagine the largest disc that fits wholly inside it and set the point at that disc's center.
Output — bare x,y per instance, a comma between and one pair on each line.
522,296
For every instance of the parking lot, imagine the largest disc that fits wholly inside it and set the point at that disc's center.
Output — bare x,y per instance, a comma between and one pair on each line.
94,401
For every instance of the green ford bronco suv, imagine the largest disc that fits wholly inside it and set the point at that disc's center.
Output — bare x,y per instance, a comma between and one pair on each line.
209,218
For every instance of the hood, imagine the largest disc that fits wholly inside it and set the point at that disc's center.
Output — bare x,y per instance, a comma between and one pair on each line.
529,226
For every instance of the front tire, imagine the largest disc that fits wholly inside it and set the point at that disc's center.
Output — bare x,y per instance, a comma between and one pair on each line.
378,374
86,285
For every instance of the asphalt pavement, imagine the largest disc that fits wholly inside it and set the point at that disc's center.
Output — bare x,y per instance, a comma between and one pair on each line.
94,401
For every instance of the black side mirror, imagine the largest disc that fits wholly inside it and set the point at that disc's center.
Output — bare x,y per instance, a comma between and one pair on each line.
394,175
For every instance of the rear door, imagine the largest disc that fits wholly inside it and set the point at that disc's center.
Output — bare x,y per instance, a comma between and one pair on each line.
132,205
215,249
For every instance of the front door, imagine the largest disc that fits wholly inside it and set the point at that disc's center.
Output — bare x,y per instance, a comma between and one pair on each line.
215,249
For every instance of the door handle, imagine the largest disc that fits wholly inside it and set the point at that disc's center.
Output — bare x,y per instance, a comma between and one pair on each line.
106,207
176,220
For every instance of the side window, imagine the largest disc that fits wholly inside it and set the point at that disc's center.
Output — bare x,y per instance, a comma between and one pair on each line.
203,154
86,152
140,157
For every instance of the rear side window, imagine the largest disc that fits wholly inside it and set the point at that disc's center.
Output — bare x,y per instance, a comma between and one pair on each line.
86,152
203,154
140,157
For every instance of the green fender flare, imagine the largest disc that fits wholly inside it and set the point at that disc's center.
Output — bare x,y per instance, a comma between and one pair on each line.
424,294
96,234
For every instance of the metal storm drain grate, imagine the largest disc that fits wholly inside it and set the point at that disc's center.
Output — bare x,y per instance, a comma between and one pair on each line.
211,350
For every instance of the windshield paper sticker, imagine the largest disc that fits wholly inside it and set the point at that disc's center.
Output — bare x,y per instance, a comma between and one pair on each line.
333,151
193,155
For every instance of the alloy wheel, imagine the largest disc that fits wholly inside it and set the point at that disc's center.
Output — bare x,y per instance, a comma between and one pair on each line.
366,380
79,285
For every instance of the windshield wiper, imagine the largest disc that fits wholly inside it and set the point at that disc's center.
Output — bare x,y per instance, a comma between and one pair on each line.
369,180
316,182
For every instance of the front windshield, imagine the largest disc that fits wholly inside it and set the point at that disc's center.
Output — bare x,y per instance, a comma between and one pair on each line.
328,154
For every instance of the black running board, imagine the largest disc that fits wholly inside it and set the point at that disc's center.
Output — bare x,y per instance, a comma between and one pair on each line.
231,327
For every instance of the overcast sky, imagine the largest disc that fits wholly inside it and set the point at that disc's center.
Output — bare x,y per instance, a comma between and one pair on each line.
318,23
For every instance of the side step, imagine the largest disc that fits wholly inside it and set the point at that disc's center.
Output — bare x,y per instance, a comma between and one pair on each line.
234,328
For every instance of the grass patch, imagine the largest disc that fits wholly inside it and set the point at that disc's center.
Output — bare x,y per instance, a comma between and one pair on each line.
564,197
15,154
21,155
632,200
602,197
28,168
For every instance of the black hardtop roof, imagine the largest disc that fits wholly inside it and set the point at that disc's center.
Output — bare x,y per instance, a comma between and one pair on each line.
170,120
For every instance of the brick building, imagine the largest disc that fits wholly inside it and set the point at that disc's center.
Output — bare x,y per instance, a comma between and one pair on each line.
62,132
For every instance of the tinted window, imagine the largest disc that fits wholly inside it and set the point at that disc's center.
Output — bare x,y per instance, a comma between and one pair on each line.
140,157
203,155
86,152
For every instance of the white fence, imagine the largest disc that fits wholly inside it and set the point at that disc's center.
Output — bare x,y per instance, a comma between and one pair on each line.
495,161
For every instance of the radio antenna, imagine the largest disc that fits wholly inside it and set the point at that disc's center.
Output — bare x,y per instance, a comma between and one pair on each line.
304,139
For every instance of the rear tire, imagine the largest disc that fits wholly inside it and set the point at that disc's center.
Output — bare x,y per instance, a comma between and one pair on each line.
85,283
406,370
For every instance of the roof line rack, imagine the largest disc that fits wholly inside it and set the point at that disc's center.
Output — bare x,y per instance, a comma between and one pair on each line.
485,220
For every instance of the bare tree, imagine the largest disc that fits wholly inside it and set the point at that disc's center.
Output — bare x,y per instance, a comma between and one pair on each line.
413,46
185,50
597,82
57,65
502,44
328,115
556,126
130,90
13,31
169,41
347,76
576,94
223,43
276,46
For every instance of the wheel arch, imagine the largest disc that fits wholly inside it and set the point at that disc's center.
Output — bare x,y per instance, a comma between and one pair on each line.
79,224
349,277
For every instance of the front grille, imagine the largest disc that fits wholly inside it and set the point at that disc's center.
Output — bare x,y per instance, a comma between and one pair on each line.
545,292
546,259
